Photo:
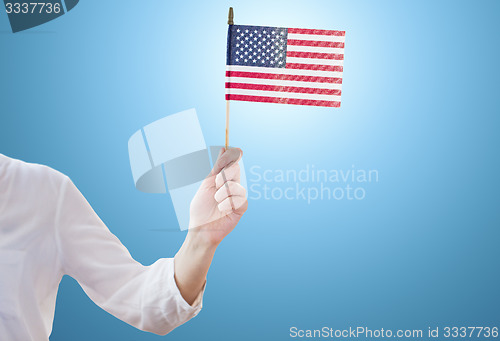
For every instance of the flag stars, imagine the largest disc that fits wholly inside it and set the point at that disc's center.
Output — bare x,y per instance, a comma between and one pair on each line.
259,47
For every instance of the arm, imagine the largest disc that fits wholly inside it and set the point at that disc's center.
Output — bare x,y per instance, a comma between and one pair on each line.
162,296
215,211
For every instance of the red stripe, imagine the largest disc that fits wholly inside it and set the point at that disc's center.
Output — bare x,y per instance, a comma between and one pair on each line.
295,89
335,104
335,56
314,67
318,32
297,54
318,43
298,78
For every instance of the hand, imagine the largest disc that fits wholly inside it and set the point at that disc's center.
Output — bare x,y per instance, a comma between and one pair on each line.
215,210
220,201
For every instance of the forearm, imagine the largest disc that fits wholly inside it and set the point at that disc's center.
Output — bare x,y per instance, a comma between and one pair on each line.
191,265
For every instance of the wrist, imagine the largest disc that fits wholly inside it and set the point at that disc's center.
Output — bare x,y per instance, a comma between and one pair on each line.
200,242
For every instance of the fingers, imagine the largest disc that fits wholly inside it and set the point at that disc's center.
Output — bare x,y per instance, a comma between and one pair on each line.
230,188
226,159
231,173
240,205
231,197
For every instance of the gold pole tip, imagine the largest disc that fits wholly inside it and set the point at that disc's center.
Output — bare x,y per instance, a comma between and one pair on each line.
230,17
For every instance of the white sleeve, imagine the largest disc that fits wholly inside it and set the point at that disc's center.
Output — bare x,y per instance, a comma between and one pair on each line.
146,297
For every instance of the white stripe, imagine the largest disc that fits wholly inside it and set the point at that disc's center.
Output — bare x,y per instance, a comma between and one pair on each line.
281,71
318,37
314,49
278,94
278,82
314,61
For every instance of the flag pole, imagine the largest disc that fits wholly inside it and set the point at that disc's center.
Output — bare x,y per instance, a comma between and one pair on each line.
227,123
230,21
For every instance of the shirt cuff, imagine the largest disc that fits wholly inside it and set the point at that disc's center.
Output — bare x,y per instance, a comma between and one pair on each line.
170,310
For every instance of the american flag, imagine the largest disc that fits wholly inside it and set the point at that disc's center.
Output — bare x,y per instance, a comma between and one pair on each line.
284,65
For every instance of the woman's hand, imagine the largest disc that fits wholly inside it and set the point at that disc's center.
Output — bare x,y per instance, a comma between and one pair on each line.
215,210
220,201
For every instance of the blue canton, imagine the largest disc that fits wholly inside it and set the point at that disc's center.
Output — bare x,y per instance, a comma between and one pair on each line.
257,46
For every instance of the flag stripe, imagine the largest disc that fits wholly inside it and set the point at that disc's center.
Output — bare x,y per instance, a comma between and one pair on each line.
314,61
316,32
299,78
298,54
316,37
283,71
312,67
280,82
283,100
251,92
313,49
279,88
315,43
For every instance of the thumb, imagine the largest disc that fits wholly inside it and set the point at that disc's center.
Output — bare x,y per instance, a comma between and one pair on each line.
226,158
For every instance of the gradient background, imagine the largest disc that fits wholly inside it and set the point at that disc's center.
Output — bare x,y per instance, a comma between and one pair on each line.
419,104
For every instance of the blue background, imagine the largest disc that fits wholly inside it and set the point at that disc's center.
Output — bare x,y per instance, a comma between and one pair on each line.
419,104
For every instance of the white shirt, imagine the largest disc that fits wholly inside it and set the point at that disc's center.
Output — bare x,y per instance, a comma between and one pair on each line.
47,230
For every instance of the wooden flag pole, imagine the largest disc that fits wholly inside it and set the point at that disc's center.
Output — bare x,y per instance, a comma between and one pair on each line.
227,124
229,22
